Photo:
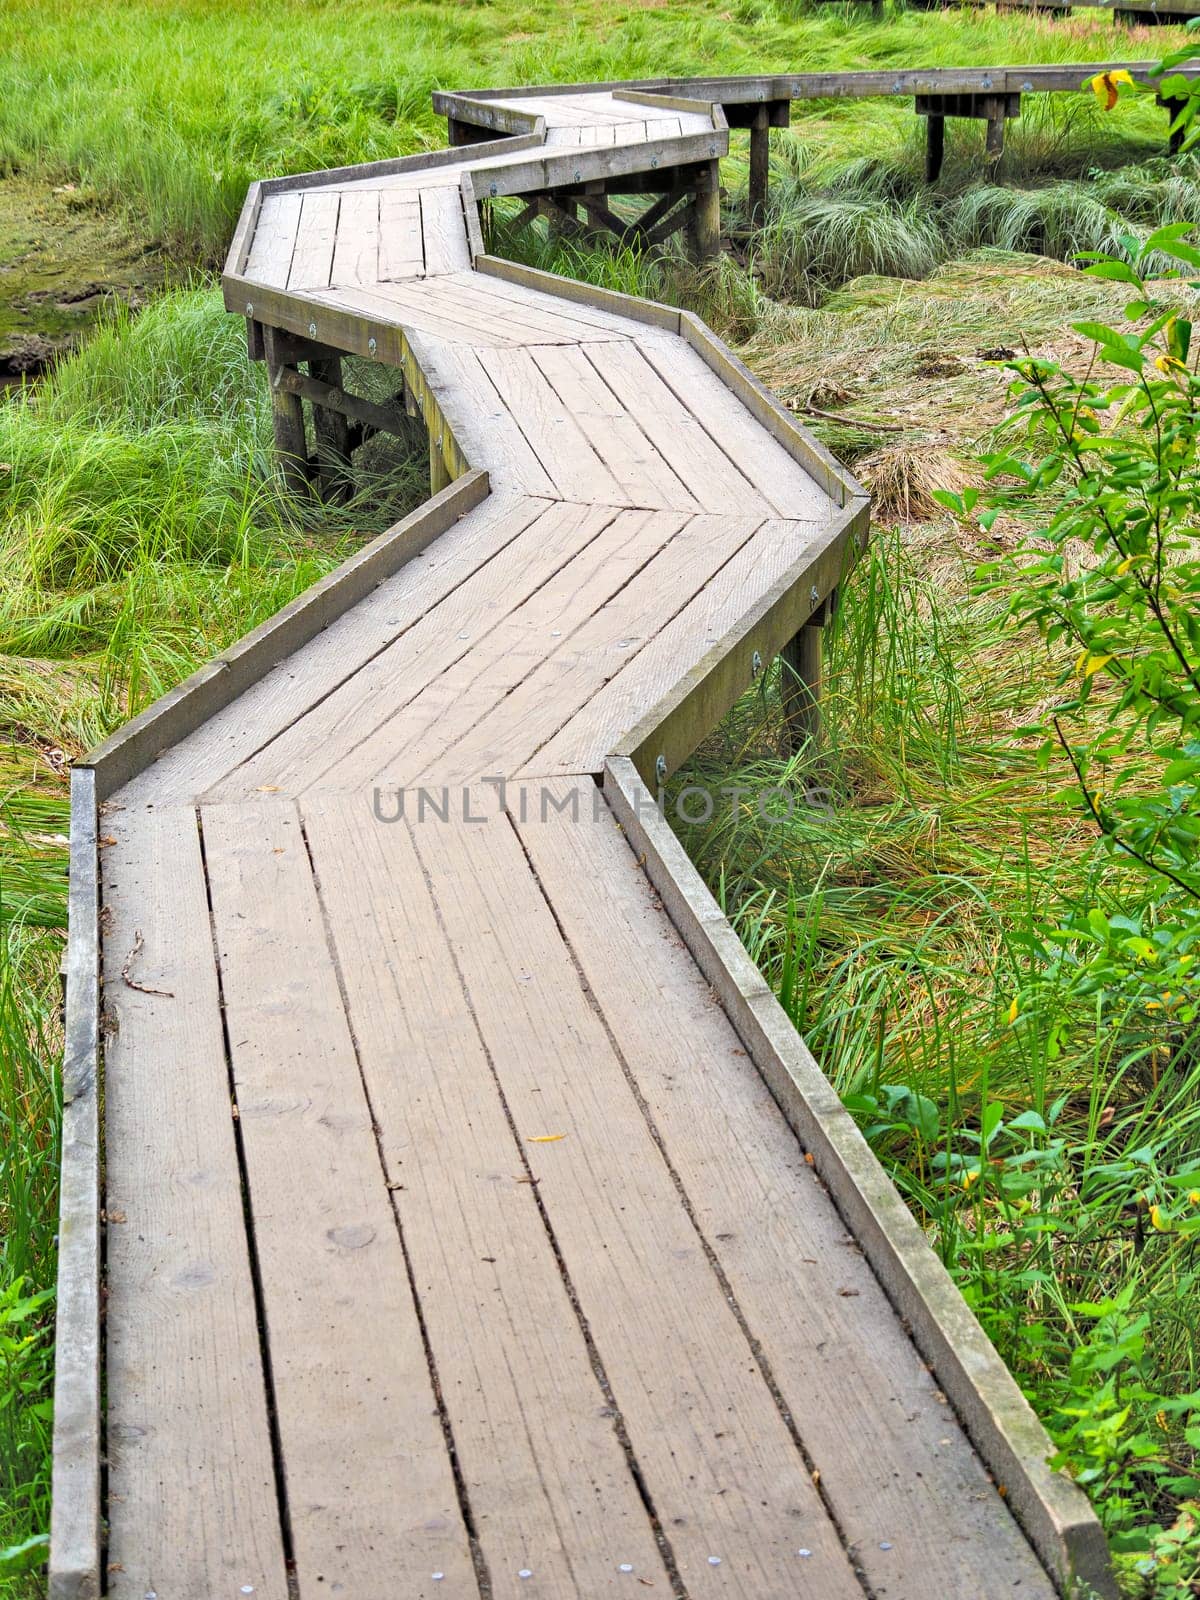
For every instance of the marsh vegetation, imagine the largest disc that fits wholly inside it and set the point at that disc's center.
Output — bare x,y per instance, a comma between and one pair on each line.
904,917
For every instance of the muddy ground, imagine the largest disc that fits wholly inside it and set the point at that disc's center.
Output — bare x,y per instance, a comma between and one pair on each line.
62,258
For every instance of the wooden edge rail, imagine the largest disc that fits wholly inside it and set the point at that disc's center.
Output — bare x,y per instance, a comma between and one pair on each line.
664,738
1052,1511
178,713
838,482
76,1454
584,294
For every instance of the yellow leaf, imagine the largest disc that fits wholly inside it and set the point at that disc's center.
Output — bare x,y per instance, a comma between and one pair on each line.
1169,364
1124,567
545,1138
969,1178
1104,86
1014,1010
1093,664
1156,1217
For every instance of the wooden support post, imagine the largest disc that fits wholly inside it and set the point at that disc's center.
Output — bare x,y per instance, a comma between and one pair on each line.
287,415
994,147
935,147
760,164
332,431
800,682
706,213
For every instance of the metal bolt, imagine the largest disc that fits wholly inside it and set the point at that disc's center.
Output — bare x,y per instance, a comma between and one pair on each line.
370,347
660,769
755,665
578,176
653,161
312,330
249,309
492,189
813,595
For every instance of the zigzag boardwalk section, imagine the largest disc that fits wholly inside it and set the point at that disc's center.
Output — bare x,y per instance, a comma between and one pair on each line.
476,1225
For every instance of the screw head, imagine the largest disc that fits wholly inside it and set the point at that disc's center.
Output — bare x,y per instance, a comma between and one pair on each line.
712,149
755,664
492,189
312,330
371,347
578,176
249,309
660,769
813,595
653,161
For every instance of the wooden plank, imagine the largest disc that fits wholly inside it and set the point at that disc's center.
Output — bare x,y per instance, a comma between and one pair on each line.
401,248
731,1491
270,257
645,478
435,735
356,251
312,259
556,438
863,1400
191,1475
75,1451
283,693
609,714
443,231
482,423
707,470
413,307
553,689
342,720
609,317
704,692
1052,1510
549,1484
372,1503
780,478
520,308
185,708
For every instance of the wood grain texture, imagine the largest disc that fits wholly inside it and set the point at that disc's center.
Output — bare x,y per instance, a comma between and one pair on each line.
724,1475
191,1479
546,1474
371,1496
862,1400
75,1556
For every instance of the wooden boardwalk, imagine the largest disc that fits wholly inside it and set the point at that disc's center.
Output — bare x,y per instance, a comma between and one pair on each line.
476,1224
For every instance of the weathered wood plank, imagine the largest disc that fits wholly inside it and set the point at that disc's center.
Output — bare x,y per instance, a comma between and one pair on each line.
372,1503
437,734
401,247
191,1476
550,1488
789,489
296,682
443,231
710,474
270,257
640,470
483,424
732,1492
604,721
339,725
356,250
596,649
554,435
312,258
75,1514
862,1399
184,709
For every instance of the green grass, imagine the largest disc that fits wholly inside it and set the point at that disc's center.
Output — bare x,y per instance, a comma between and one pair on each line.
141,531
